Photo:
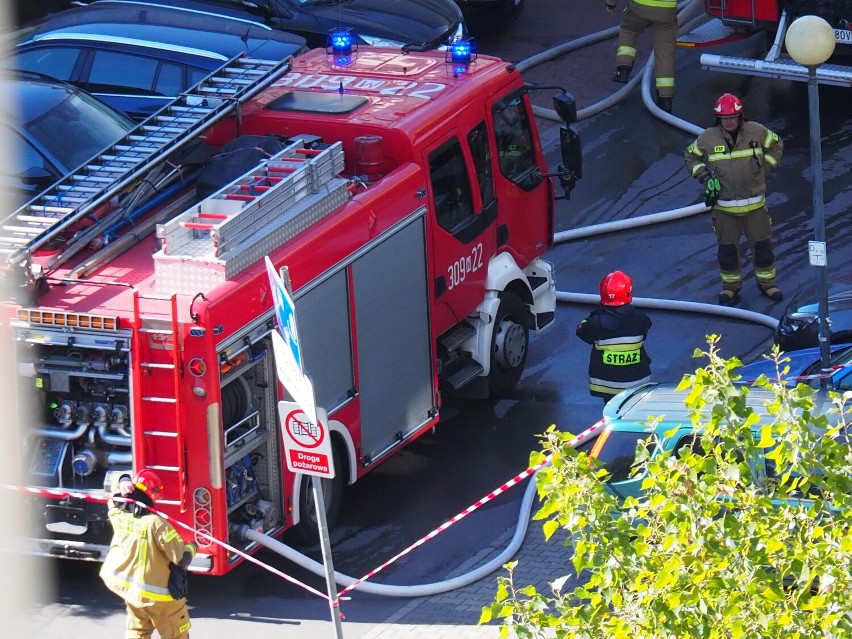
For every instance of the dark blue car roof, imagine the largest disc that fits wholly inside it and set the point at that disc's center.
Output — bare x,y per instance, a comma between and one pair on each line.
183,28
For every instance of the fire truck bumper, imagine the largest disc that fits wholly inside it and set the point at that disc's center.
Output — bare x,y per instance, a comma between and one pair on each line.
69,549
539,274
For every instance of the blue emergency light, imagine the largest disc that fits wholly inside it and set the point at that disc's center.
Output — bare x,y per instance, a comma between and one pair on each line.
341,41
462,51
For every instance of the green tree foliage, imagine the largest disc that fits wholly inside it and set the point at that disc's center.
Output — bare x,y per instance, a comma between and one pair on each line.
714,548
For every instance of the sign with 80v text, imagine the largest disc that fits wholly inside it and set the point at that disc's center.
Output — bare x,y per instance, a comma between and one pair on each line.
307,444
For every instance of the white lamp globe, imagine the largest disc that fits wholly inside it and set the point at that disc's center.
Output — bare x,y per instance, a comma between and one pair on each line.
810,40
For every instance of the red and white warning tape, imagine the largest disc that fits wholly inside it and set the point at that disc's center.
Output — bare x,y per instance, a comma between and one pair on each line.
54,493
579,439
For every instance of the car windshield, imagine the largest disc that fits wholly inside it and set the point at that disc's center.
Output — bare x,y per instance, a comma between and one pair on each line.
616,451
73,126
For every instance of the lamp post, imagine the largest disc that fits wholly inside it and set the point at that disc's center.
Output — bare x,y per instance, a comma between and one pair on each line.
810,42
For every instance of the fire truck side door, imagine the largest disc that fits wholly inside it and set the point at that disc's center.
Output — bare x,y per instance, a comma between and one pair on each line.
464,235
524,218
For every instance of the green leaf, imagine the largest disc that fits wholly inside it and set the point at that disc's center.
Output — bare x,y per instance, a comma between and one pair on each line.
549,528
766,439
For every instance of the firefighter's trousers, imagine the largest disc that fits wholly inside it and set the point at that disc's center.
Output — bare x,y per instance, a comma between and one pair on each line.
169,618
634,20
757,227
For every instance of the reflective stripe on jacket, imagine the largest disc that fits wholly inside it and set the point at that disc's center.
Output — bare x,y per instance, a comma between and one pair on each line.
741,167
618,359
137,564
660,4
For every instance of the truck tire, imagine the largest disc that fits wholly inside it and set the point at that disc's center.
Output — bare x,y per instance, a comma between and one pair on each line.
332,493
509,344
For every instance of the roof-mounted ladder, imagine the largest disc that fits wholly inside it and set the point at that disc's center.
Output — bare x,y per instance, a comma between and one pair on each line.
120,167
250,217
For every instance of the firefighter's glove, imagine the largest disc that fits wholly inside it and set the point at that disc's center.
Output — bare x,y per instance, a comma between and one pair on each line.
178,582
711,191
189,552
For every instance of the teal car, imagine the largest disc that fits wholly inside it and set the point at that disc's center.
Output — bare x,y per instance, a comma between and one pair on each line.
627,422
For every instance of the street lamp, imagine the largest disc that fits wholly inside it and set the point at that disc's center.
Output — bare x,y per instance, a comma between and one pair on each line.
810,42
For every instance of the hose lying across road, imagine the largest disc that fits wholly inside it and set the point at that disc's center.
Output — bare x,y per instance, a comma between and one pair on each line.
687,19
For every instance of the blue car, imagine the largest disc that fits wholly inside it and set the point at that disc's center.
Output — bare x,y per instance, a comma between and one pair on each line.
138,58
419,24
806,368
54,128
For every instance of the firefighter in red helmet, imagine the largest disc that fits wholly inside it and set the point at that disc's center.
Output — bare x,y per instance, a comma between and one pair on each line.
147,561
732,160
617,332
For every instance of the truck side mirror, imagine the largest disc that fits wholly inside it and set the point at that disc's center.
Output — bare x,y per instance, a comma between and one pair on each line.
566,107
571,168
572,152
37,176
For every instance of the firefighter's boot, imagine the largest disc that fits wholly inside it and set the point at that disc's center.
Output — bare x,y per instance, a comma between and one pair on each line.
728,297
622,74
665,104
773,293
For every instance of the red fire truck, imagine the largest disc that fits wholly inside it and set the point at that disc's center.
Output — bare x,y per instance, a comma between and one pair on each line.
410,204
772,17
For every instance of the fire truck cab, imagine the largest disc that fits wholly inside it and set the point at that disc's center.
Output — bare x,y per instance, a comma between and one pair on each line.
409,206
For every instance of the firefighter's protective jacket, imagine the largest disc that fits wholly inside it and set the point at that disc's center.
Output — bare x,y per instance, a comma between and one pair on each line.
137,564
618,359
741,166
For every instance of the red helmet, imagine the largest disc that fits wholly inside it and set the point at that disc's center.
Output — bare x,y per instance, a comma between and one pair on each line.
616,289
149,483
728,105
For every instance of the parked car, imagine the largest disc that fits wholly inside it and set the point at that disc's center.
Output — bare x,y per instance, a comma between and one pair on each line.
799,326
24,11
55,128
420,24
139,58
806,368
485,16
626,424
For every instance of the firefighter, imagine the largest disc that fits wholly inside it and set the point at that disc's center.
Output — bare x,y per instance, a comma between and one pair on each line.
147,561
617,332
638,15
732,160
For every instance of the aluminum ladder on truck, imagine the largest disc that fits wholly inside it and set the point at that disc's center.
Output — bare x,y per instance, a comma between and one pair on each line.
250,217
124,165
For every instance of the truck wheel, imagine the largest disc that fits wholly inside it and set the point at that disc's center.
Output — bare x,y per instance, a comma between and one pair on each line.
508,344
332,494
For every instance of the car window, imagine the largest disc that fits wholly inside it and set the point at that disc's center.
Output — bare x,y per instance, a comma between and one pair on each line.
616,451
170,81
26,156
58,62
116,72
196,76
450,185
477,140
76,129
515,153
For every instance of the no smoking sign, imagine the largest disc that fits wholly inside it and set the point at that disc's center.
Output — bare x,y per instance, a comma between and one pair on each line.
307,444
